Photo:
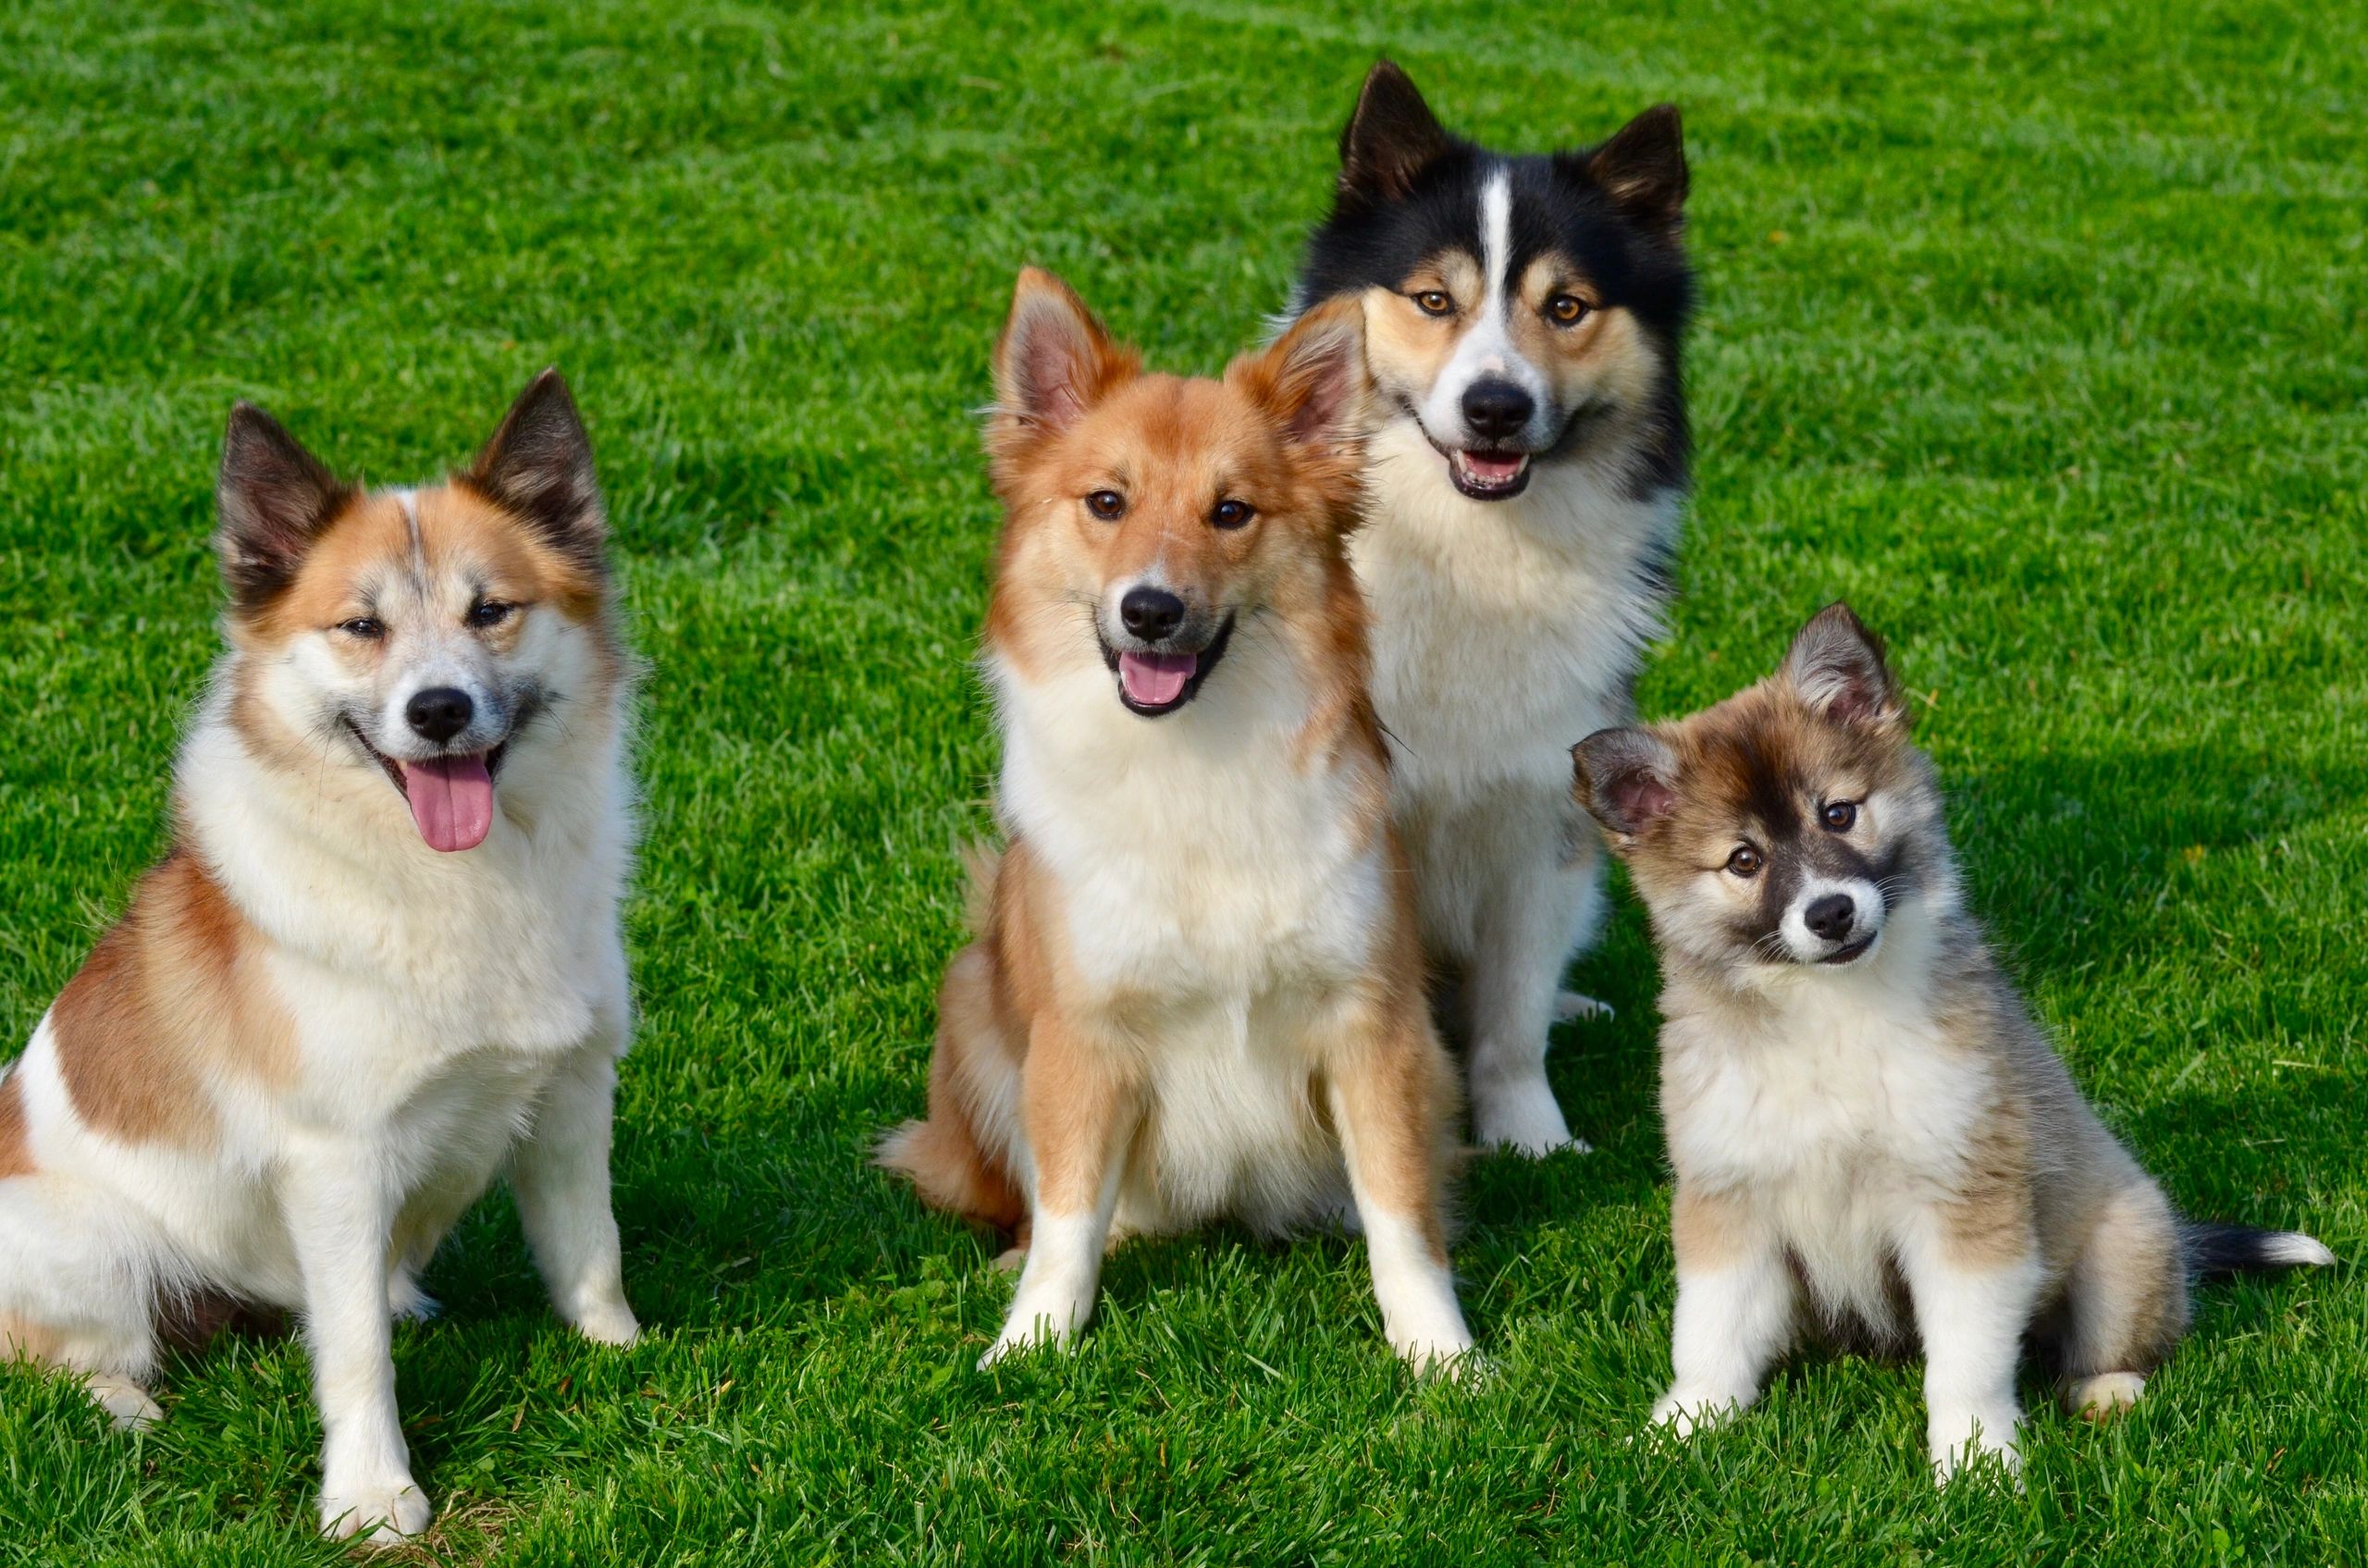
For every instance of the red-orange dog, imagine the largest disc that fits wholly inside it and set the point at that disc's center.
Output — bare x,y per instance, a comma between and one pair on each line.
1197,989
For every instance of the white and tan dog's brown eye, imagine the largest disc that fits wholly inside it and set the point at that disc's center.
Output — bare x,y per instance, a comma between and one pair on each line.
1839,816
1108,505
1433,302
1231,513
1744,861
488,613
1568,310
367,628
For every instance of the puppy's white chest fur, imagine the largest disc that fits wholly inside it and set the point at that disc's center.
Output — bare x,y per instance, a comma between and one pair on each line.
1503,631
1834,1112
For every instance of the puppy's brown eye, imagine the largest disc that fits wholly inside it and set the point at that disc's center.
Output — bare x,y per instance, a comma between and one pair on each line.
1568,310
1231,513
368,628
1433,302
1839,816
1108,505
1744,861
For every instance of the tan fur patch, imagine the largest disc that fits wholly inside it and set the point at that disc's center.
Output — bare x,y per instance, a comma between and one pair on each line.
1707,1229
169,999
16,1154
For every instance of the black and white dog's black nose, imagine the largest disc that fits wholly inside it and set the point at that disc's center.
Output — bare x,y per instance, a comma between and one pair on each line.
1152,613
438,713
1831,917
1496,410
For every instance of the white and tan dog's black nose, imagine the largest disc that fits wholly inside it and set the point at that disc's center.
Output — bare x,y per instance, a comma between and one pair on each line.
438,713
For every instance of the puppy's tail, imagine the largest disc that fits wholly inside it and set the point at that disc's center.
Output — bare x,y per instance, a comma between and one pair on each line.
2213,1249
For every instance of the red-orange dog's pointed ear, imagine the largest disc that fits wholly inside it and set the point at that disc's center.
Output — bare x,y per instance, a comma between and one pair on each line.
1053,360
1311,381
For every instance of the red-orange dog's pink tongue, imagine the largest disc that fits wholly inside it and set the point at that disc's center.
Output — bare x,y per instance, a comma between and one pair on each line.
1155,680
451,799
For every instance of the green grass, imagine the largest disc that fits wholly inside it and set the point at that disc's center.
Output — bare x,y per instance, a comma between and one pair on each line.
2036,330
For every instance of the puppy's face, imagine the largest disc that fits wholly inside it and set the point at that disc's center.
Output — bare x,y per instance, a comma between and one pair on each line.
1151,515
418,635
1784,826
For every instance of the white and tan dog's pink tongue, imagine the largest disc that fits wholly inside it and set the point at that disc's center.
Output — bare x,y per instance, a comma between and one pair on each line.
451,799
1156,679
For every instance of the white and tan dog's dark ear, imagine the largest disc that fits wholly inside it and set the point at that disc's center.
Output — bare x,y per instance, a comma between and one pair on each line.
1390,139
1643,168
1054,362
538,465
1312,380
272,499
1626,779
1836,668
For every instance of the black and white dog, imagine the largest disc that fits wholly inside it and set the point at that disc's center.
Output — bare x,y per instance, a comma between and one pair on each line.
1525,472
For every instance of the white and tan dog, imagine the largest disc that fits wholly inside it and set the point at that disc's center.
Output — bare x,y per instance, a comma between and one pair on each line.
1197,987
381,964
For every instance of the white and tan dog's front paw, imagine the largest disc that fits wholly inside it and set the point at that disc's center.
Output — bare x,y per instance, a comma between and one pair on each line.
1684,1411
384,1512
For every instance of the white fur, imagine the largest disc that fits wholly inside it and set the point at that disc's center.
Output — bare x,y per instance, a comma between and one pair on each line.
1503,631
453,1014
1839,1124
1219,883
1866,917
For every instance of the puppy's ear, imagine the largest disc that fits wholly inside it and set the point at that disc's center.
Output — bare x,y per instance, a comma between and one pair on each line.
538,464
272,499
1390,139
1643,168
1053,360
1836,668
1626,779
1311,381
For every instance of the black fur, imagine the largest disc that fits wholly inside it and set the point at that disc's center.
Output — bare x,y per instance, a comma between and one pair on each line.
2214,1250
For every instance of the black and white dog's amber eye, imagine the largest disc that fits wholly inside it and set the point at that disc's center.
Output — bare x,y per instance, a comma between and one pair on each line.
1744,861
1230,514
1108,505
366,627
488,613
1433,302
1568,310
1839,816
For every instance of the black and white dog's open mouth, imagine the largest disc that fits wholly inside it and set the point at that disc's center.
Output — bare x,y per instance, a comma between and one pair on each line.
1489,475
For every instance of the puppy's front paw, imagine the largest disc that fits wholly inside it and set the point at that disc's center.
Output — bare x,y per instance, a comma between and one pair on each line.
384,1512
608,1323
1978,1444
1684,1411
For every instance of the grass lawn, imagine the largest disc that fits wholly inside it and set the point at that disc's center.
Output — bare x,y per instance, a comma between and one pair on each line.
2035,329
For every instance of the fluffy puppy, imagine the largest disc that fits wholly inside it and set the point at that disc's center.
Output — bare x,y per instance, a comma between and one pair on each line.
1870,1134
1197,986
380,966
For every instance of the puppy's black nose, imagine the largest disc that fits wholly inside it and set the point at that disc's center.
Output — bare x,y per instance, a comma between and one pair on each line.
439,713
1152,614
1831,917
1497,411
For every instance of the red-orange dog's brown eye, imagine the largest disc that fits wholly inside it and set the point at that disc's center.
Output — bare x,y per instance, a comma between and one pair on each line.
1231,513
1108,505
